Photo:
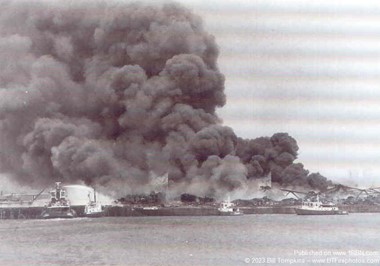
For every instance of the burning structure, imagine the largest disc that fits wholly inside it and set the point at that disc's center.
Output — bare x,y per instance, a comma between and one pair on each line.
103,93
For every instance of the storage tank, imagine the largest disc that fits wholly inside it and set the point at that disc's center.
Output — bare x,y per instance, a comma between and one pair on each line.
79,194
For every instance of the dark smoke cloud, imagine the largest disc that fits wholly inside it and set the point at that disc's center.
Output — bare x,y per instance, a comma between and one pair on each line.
276,155
107,93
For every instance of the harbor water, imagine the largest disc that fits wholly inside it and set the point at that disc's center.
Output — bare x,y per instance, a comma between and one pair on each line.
268,239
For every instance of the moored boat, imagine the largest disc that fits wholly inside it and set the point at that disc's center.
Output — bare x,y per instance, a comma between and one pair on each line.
93,208
227,208
316,207
59,205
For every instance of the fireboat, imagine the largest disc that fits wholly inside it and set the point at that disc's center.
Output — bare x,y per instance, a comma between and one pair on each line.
59,205
227,208
93,208
316,207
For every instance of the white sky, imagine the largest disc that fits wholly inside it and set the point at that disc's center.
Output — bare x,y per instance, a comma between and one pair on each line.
309,68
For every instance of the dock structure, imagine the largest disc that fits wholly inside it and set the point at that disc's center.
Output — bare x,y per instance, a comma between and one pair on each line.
123,211
22,206
28,212
20,212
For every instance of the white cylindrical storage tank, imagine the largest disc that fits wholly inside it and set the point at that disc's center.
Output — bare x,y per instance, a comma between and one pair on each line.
81,195
78,194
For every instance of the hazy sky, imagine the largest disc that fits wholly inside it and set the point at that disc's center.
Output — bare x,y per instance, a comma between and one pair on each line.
309,68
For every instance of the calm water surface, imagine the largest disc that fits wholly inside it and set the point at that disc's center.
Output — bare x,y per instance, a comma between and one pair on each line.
207,240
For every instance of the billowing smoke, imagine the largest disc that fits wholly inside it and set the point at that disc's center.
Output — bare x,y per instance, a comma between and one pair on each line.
106,93
276,155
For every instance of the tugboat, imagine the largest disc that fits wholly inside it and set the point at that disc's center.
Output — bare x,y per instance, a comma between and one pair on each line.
93,207
59,205
318,208
227,208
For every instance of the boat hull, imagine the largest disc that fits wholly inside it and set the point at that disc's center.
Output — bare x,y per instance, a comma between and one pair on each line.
95,214
300,211
235,213
229,212
56,213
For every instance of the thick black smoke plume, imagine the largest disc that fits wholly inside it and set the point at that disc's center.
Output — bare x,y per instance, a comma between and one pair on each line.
108,93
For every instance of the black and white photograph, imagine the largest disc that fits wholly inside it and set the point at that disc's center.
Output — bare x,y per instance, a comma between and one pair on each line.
189,132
